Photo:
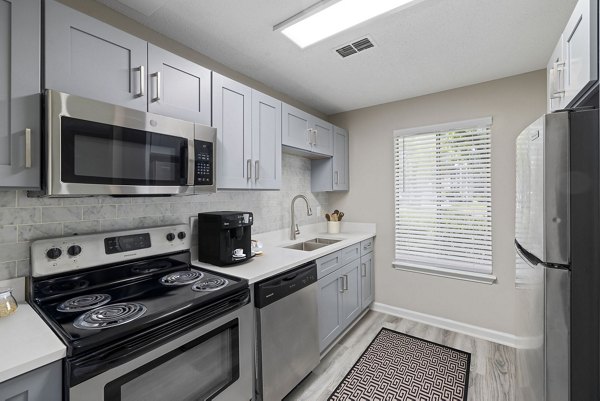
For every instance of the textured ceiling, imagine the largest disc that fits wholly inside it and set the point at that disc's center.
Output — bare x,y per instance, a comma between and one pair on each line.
432,46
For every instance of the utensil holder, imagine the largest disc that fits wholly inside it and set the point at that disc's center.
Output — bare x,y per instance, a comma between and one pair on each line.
333,227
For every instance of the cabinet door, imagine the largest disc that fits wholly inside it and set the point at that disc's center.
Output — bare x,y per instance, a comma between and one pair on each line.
351,297
42,384
366,280
555,74
232,113
322,139
296,126
178,87
340,159
578,53
266,141
20,45
330,309
89,58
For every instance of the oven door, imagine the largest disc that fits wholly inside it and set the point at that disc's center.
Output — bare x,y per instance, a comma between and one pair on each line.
95,148
213,362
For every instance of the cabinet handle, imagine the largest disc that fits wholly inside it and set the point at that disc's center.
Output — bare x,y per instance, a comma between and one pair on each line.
27,147
336,178
309,136
256,169
558,90
341,283
316,133
364,269
345,282
141,69
249,168
157,76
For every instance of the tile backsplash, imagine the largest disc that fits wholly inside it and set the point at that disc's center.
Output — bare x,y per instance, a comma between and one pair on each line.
24,219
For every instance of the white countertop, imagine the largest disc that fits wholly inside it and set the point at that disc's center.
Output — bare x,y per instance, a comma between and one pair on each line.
26,341
276,259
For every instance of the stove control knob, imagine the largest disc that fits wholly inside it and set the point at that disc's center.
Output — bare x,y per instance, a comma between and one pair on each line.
181,235
74,250
170,237
54,253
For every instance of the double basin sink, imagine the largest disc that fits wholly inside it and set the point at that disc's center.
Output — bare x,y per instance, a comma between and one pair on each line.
312,244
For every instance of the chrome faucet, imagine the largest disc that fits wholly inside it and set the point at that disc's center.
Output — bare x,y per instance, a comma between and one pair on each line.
295,230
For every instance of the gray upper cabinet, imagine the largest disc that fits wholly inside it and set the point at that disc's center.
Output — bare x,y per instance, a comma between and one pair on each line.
42,384
20,50
178,87
306,133
232,113
332,174
573,66
266,141
89,58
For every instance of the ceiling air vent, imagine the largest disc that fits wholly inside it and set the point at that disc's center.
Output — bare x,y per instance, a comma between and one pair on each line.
355,47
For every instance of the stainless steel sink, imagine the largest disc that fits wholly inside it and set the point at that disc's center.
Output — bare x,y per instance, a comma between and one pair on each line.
312,244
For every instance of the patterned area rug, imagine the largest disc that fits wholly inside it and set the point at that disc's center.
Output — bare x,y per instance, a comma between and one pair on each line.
400,367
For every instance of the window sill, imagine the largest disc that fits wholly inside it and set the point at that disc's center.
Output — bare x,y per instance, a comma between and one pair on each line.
449,273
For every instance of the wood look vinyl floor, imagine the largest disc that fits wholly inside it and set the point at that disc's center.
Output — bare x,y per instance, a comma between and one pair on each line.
491,378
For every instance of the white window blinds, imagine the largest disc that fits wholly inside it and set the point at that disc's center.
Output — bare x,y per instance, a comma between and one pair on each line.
443,196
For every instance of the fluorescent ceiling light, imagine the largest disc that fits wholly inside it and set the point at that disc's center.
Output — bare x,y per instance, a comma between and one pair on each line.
311,26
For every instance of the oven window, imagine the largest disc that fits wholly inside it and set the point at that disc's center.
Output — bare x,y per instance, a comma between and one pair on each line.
198,370
96,153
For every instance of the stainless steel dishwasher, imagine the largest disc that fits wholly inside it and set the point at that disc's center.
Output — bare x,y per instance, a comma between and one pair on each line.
288,335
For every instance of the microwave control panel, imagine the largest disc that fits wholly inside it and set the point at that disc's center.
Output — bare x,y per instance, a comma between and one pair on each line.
203,174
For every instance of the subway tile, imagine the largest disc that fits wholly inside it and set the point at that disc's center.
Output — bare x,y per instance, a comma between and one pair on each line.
141,210
61,214
10,252
8,234
81,201
8,199
8,270
81,227
32,232
100,212
113,200
10,216
23,268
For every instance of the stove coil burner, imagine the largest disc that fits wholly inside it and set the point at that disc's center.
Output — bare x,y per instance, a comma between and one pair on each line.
110,316
181,278
211,284
151,267
84,302
63,285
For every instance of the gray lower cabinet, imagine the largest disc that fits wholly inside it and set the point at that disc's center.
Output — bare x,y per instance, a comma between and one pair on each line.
42,384
89,58
177,87
20,61
366,279
344,292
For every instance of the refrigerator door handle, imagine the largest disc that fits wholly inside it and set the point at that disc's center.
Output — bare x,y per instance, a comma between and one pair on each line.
528,258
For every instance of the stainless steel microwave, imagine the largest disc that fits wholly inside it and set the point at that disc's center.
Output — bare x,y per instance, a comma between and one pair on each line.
96,148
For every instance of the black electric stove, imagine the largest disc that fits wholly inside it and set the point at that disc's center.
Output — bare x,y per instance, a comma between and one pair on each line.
112,297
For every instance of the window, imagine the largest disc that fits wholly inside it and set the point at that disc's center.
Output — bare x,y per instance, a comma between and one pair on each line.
443,200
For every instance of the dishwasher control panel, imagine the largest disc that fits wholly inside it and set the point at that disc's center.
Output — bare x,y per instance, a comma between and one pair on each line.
282,285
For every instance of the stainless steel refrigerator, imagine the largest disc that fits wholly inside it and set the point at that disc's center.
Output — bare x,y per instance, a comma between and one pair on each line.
557,262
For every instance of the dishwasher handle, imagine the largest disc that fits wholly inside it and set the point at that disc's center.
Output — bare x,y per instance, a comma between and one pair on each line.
275,288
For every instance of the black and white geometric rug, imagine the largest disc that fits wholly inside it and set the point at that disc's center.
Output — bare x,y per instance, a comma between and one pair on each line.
396,366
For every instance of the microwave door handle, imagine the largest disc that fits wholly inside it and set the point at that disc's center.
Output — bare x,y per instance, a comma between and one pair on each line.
191,155
531,260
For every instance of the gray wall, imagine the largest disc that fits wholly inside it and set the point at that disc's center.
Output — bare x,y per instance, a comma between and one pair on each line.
513,103
24,219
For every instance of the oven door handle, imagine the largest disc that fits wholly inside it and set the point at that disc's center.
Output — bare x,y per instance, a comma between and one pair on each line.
191,156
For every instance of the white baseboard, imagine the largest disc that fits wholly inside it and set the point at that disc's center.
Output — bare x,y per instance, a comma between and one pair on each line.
447,324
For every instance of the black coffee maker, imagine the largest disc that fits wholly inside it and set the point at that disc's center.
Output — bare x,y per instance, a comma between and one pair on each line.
224,237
